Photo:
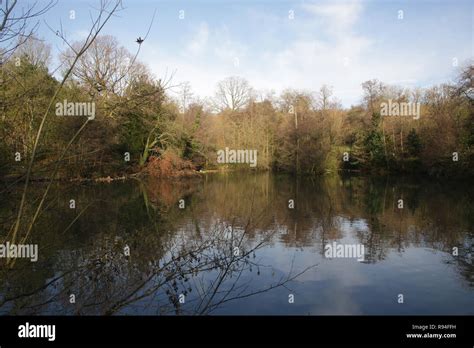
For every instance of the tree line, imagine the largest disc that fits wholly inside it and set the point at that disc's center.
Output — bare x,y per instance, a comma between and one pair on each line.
157,126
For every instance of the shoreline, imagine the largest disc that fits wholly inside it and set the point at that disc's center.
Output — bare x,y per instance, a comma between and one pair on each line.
187,175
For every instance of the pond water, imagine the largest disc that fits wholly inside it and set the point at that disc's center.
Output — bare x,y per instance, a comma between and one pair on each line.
234,243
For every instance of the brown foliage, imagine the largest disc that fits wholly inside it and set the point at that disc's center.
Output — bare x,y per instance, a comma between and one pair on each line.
170,165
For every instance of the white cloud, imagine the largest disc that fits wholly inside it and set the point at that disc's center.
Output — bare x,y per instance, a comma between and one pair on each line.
309,62
320,46
199,41
226,49
79,35
337,17
209,56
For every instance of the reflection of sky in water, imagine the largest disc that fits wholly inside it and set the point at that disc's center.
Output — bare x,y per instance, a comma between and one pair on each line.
344,286
406,252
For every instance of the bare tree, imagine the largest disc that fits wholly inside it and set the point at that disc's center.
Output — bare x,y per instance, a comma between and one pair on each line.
35,51
373,90
232,93
184,95
465,82
325,93
106,67
15,24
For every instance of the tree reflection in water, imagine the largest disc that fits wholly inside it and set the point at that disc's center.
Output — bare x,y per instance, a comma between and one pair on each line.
237,240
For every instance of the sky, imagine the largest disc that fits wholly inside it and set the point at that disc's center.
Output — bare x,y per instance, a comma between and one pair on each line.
277,44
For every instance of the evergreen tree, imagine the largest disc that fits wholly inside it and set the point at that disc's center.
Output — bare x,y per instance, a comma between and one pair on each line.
413,143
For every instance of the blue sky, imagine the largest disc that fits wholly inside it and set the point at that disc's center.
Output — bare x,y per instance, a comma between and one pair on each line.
339,43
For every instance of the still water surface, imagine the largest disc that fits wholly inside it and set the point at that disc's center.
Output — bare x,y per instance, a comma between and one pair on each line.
237,248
